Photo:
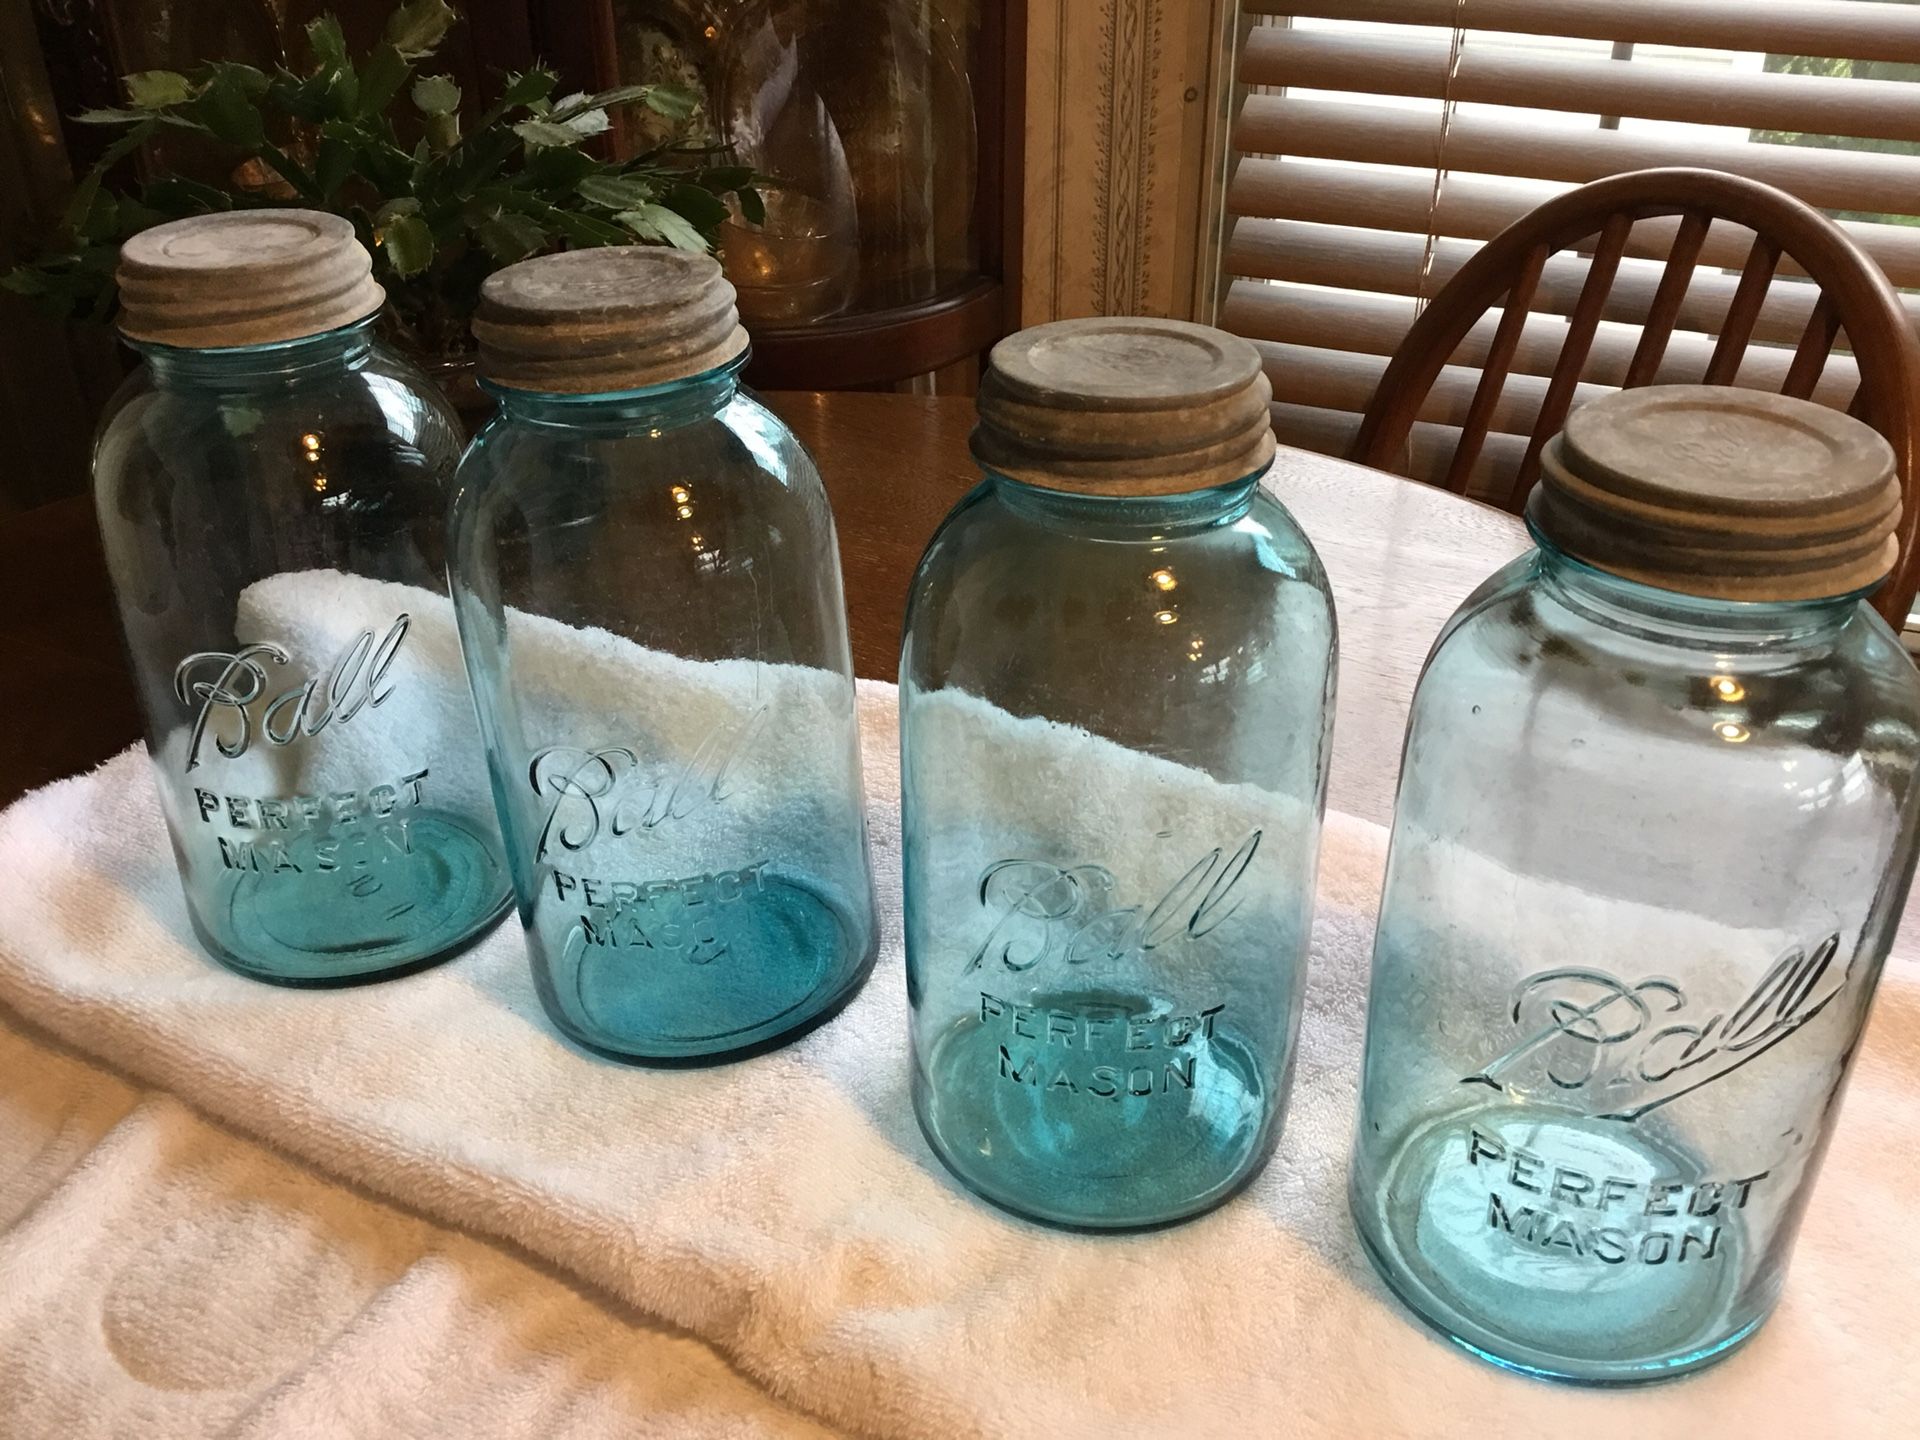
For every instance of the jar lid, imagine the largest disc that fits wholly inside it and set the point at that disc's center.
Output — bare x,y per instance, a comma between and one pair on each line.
1124,406
244,277
1720,492
594,322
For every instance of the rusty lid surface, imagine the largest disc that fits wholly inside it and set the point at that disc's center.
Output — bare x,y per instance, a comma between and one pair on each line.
1722,492
244,277
606,320
1124,406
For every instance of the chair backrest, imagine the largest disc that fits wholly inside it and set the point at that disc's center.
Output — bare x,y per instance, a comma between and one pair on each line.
1849,295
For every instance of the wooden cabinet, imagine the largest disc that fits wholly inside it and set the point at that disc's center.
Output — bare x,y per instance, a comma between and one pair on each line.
898,327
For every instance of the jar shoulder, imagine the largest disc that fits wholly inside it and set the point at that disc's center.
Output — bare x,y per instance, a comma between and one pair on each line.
382,414
1513,653
1057,611
742,444
984,535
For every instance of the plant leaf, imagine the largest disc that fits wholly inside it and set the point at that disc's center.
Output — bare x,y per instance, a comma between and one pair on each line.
436,95
704,208
342,95
657,222
302,99
509,237
177,195
671,101
418,27
587,122
136,215
251,82
333,164
616,192
604,100
405,239
541,133
81,202
101,223
328,42
381,77
226,112
753,206
376,159
579,228
157,89
726,177
526,88
560,168
110,117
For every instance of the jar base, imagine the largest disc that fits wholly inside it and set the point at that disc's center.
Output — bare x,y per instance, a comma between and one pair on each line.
1564,1276
1055,1136
794,957
364,921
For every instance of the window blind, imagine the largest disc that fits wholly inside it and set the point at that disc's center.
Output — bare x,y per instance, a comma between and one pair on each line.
1379,142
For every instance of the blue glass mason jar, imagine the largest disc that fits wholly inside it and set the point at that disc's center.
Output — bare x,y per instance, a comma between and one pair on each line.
272,491
1655,829
649,593
1115,693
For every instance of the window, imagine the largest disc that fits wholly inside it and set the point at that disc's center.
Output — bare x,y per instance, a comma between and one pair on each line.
1381,141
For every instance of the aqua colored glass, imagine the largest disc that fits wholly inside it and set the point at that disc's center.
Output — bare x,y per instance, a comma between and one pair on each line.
650,600
1648,856
1114,722
274,519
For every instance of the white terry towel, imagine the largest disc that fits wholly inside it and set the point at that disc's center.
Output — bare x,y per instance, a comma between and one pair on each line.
577,687
163,1277
786,1210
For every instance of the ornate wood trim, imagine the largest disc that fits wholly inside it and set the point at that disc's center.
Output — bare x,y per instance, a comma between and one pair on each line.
1121,96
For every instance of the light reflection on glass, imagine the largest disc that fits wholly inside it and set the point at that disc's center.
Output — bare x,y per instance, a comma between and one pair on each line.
310,448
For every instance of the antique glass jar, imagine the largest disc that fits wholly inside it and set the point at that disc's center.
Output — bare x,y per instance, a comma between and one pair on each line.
649,593
1115,692
272,491
1654,833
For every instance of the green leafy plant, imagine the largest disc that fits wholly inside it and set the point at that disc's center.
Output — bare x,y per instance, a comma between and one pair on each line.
439,214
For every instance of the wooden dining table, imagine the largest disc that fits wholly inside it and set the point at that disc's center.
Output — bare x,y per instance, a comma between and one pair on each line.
1401,556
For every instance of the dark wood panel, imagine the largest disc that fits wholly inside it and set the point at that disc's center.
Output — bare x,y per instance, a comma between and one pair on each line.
881,348
53,376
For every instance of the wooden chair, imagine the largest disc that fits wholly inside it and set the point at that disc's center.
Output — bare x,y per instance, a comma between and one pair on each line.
1853,298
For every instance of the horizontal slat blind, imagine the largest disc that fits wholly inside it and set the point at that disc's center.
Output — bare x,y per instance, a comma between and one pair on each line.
1343,130
1398,65
1841,29
1379,147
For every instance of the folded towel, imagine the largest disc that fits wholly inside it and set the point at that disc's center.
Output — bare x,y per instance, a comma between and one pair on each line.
573,686
786,1210
160,1276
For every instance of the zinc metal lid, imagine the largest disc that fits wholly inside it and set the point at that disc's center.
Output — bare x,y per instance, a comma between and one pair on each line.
606,320
1722,492
1124,406
244,277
